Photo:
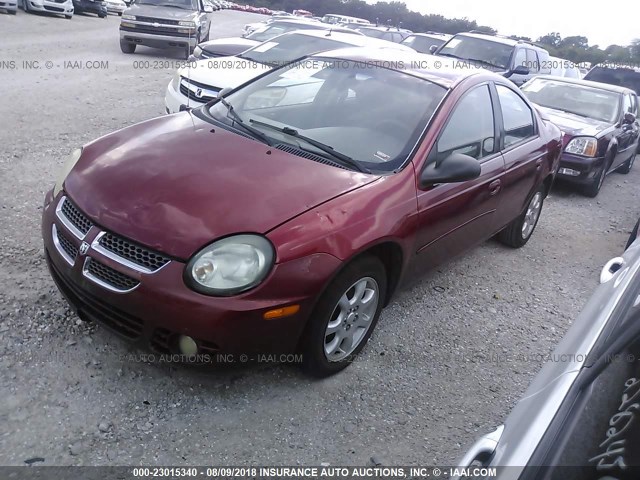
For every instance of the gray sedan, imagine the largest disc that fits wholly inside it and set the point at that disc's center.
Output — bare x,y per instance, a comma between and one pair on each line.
580,417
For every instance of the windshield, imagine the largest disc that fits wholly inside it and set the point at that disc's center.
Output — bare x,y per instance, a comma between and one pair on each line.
574,98
371,32
183,4
287,48
273,30
422,44
371,114
621,77
478,49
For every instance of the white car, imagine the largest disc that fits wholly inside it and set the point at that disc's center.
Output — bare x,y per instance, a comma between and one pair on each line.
115,6
64,7
201,81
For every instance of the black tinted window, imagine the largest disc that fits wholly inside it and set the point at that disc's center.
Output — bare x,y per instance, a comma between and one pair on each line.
470,129
517,116
616,76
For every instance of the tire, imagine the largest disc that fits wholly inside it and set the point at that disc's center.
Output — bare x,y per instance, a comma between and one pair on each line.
119,14
13,12
25,5
519,231
593,189
633,236
127,47
362,287
68,17
628,165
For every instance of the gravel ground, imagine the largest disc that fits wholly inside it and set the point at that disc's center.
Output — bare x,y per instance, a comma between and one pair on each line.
419,394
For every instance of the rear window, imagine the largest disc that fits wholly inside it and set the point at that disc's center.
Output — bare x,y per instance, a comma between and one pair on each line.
422,44
622,77
491,54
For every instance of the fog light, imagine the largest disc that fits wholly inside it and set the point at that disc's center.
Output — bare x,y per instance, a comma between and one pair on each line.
569,171
187,345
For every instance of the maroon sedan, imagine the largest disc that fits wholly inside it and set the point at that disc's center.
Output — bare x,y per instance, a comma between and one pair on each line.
283,216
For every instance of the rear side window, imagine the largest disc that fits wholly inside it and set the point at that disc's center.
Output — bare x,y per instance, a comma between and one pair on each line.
470,129
516,115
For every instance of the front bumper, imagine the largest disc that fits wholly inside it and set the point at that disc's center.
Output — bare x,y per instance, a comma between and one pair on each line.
64,7
9,5
156,40
161,307
579,170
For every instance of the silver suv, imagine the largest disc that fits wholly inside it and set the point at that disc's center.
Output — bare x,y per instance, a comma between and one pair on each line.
165,24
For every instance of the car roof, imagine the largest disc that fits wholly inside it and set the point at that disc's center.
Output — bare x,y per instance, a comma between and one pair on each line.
350,38
447,73
589,83
430,35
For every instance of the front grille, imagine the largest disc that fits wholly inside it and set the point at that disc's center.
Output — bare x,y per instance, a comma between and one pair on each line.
69,248
157,20
308,155
95,309
75,216
187,93
133,252
53,9
156,31
108,275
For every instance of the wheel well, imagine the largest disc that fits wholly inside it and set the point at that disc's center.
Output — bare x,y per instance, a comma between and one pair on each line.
390,254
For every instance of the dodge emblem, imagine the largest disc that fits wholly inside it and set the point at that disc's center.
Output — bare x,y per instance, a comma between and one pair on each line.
84,248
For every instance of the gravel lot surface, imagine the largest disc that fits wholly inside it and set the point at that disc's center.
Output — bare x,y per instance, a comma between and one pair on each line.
419,394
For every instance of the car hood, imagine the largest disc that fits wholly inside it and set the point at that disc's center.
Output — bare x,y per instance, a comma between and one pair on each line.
223,72
237,44
154,11
176,183
575,125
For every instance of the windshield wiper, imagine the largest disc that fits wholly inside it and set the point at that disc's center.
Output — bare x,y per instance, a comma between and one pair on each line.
173,6
237,119
341,157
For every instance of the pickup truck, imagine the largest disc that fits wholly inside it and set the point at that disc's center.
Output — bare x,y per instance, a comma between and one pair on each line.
165,24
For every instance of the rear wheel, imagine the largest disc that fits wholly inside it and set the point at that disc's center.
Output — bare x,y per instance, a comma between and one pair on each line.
344,317
518,232
127,47
628,165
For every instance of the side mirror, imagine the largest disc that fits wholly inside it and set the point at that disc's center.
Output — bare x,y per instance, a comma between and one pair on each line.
224,92
521,70
208,9
455,168
433,48
628,118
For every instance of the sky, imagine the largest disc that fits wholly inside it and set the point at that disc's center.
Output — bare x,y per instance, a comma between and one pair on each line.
603,26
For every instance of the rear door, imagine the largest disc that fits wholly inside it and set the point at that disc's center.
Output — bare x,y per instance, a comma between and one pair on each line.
523,151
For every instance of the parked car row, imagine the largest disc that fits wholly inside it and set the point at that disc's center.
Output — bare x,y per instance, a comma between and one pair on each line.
67,8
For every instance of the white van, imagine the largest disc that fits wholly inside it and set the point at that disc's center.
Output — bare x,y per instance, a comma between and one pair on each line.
332,18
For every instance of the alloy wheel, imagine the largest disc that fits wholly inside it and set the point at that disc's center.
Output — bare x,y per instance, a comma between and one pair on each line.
351,319
532,215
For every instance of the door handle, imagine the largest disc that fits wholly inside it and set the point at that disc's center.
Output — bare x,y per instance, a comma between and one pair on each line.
494,187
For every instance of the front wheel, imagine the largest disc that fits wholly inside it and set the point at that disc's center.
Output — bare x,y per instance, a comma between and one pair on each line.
127,47
593,189
519,231
628,165
344,317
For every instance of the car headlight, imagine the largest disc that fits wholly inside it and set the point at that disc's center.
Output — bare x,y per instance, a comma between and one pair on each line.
187,23
67,167
197,52
586,146
128,17
231,265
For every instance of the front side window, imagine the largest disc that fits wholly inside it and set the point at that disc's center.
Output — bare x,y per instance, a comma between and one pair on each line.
373,115
627,107
516,115
532,61
520,58
470,129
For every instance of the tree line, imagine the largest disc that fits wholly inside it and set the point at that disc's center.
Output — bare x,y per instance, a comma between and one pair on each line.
574,48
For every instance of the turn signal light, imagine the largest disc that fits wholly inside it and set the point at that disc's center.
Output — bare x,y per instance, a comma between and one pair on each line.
282,312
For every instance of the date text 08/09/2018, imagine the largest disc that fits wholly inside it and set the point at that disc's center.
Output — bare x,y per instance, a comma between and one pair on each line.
315,472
